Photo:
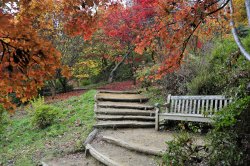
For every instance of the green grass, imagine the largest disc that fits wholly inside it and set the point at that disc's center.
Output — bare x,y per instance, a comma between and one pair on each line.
154,94
23,144
94,86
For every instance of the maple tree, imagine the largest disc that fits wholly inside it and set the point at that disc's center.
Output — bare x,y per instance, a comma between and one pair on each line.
26,58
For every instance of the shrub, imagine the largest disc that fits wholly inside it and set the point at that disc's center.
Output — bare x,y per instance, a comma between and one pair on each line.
43,115
3,119
182,151
194,127
229,141
227,71
85,82
229,116
202,84
176,82
224,149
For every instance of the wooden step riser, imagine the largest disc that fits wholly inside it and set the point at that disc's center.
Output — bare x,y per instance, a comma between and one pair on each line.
125,126
100,157
125,107
123,100
119,92
126,118
146,113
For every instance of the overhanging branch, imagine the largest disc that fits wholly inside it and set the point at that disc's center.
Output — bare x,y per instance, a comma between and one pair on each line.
236,37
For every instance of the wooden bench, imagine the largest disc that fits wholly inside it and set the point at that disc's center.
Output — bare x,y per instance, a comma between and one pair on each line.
190,108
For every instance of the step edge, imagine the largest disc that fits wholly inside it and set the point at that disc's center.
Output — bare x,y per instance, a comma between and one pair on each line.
125,125
122,100
125,113
133,122
128,107
124,117
100,157
118,92
128,116
132,146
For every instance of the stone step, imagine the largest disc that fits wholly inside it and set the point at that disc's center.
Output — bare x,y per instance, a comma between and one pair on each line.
125,117
116,111
110,104
121,97
119,92
121,156
100,157
124,124
133,146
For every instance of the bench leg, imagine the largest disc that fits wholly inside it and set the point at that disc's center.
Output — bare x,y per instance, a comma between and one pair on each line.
157,119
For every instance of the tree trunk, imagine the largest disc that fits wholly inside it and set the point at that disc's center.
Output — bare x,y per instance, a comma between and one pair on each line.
132,65
64,83
247,3
236,37
53,88
111,76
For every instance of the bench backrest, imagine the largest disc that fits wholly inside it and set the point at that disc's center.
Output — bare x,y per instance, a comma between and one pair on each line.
199,105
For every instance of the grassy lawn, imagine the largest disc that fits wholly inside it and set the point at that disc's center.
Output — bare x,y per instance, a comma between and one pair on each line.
23,144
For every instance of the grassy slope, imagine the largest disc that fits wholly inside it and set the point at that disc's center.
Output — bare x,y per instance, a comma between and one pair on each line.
154,94
22,144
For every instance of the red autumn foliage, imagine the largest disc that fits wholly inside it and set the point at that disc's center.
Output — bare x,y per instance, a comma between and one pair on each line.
158,24
63,96
26,58
125,85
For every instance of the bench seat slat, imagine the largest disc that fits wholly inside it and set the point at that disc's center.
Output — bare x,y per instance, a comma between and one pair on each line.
195,107
211,106
175,106
221,104
171,106
202,106
207,104
184,118
186,106
179,106
180,114
225,103
190,107
216,105
198,107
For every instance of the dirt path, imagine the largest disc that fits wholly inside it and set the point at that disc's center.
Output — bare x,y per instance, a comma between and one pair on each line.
78,159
